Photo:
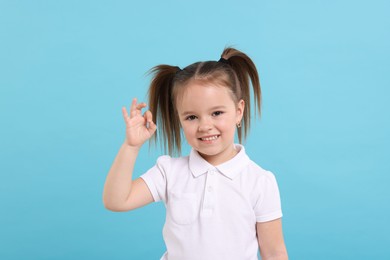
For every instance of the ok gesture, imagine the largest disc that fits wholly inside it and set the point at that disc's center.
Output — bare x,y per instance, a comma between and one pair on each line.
139,128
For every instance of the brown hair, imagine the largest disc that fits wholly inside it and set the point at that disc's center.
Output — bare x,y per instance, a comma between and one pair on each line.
234,70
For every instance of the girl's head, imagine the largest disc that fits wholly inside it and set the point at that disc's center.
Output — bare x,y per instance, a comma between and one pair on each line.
207,100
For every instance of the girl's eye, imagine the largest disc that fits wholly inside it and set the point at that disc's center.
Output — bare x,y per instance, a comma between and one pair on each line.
190,118
217,113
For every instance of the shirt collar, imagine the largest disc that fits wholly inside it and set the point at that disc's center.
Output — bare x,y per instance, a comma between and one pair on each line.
229,169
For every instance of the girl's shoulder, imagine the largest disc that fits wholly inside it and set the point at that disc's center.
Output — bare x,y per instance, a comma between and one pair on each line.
168,163
258,172
167,159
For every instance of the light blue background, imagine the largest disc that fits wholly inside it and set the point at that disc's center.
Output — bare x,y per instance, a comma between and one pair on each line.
67,68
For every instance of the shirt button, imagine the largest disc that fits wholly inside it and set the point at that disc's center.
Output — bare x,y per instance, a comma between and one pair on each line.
210,189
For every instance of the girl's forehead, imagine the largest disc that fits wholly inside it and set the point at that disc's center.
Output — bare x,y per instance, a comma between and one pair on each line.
204,95
203,89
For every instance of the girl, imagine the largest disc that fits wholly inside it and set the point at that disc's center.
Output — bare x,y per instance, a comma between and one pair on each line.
219,203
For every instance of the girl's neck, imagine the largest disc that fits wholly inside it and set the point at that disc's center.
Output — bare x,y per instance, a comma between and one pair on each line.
220,158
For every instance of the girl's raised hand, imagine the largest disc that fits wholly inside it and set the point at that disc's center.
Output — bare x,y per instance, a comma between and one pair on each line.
139,128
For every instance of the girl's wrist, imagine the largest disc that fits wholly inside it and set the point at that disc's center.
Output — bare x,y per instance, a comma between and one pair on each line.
131,147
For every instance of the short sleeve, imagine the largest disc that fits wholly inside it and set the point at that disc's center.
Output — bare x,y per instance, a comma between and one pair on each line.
156,178
268,206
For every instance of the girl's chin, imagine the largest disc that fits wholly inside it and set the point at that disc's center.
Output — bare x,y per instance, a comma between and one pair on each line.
217,157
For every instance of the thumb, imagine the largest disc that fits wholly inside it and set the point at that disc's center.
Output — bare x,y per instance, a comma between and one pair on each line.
149,121
152,128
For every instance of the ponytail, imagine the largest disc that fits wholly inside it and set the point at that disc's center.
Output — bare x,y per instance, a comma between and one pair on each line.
161,104
245,70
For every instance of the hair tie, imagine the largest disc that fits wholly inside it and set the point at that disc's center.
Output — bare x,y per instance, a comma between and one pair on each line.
222,60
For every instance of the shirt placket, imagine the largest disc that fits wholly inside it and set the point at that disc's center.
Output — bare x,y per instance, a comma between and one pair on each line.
209,197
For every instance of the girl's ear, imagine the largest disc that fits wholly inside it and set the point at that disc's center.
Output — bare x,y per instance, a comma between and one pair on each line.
240,110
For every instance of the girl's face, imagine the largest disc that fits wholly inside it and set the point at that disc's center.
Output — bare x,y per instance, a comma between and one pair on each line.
208,115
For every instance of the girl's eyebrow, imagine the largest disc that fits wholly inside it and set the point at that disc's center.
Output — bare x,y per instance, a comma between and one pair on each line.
218,107
185,113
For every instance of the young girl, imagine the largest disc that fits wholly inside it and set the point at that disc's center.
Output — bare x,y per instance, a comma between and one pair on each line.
219,203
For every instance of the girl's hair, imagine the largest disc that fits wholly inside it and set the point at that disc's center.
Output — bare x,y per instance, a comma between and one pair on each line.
234,70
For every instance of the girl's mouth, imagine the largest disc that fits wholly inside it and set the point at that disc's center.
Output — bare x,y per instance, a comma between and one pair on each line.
209,138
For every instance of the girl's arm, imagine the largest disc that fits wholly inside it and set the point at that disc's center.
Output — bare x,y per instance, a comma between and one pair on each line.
271,242
120,192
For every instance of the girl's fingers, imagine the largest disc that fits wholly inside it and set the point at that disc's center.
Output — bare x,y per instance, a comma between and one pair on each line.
152,128
124,113
133,108
149,122
140,106
148,116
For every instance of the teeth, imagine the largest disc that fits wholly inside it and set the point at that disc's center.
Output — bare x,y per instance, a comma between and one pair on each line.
210,138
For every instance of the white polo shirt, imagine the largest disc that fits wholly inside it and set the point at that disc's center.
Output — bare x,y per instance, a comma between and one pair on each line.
211,211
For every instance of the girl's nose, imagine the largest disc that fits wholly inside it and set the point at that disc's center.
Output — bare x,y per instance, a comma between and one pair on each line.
204,126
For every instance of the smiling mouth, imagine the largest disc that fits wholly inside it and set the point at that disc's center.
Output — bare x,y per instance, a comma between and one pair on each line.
209,138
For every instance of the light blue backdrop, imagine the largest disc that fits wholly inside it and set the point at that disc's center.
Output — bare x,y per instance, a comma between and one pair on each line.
67,68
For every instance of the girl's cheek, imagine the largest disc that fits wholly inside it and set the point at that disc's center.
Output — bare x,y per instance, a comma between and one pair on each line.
189,127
